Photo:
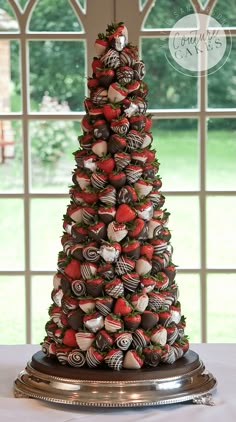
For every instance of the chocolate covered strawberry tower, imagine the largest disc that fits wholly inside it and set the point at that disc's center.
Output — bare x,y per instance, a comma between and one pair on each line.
115,300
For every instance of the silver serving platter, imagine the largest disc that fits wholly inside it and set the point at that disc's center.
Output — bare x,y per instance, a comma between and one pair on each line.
186,380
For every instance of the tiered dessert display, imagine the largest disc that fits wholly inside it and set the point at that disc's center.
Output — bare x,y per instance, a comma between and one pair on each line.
115,311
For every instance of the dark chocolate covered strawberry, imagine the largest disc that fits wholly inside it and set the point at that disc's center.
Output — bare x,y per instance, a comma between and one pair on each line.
127,195
149,319
94,286
103,340
97,231
107,213
131,249
152,355
117,179
120,126
105,77
116,143
104,305
132,321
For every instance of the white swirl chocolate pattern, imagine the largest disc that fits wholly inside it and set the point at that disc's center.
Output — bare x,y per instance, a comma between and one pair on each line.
91,360
76,358
124,340
62,357
78,287
90,253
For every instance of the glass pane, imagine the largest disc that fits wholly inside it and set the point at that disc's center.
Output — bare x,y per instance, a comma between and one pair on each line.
8,21
11,153
10,89
41,294
12,234
12,322
189,287
221,154
222,84
221,315
184,226
22,3
225,12
164,15
58,69
46,230
176,143
54,16
168,88
221,230
52,161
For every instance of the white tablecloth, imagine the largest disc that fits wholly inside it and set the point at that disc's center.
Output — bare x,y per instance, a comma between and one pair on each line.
220,359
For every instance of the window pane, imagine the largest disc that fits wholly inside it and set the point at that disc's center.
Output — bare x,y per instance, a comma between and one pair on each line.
10,90
189,286
52,161
54,16
221,232
164,15
176,143
221,154
12,235
41,294
12,323
11,156
221,317
184,226
225,12
8,22
46,230
168,88
58,68
222,84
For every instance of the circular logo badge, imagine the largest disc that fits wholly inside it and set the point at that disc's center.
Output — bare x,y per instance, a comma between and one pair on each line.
198,43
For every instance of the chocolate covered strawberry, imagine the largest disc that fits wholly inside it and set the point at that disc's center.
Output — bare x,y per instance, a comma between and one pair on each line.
81,178
107,213
96,64
116,231
143,187
93,322
124,75
111,59
84,339
126,195
110,252
96,113
131,249
99,180
143,266
101,44
141,338
144,209
149,319
103,340
94,357
159,335
75,212
152,355
132,360
116,93
92,83
117,179
99,96
116,143
138,157
114,359
108,195
137,122
97,231
138,229
113,323
89,214
105,77
123,339
101,129
132,321
140,301
114,288
104,305
99,147
122,159
125,213
120,126
87,305
131,281
94,286
133,173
